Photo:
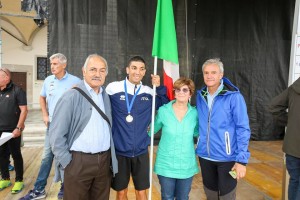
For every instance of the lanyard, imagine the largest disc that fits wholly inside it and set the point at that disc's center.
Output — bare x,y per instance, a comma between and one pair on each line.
129,105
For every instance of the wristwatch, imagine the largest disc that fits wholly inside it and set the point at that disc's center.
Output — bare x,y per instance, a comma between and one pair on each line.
20,129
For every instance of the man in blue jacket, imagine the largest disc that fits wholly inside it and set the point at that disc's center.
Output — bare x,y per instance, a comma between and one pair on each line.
131,103
224,133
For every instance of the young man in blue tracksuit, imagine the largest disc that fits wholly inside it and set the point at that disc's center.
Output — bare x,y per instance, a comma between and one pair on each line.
131,103
224,133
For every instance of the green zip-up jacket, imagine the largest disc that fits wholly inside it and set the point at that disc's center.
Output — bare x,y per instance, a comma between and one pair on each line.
289,99
176,156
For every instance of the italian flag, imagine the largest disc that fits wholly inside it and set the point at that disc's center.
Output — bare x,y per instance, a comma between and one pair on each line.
165,43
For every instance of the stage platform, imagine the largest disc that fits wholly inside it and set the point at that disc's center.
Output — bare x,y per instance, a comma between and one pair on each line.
262,182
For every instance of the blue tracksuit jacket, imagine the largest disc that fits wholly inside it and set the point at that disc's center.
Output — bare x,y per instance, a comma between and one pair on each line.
131,139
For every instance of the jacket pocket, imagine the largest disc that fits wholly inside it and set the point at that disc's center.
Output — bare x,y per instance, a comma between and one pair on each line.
227,143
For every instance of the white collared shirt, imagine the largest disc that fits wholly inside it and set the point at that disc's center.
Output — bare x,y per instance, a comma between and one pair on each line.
95,137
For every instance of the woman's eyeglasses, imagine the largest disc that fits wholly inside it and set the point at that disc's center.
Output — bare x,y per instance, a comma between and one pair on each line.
184,90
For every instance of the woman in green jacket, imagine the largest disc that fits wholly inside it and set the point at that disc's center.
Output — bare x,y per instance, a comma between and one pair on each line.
176,163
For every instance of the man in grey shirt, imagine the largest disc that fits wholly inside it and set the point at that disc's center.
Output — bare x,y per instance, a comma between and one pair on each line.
81,138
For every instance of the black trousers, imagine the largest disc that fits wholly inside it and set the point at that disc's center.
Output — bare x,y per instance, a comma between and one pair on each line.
216,176
14,147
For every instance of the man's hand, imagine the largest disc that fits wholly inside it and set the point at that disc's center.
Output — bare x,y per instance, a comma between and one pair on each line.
46,119
240,170
155,80
43,104
16,133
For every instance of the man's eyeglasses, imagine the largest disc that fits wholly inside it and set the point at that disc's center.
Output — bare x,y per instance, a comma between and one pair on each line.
184,90
3,71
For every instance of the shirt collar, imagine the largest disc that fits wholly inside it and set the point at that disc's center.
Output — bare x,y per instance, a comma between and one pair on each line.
8,86
131,85
65,76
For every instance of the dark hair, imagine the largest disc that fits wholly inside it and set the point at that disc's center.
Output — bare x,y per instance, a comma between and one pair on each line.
136,59
182,81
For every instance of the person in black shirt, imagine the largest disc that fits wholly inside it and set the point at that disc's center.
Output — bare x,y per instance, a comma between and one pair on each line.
13,112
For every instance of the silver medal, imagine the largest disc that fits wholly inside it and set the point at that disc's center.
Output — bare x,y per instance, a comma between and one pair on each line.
129,118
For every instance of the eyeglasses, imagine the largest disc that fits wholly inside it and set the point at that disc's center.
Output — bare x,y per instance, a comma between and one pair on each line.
3,71
184,90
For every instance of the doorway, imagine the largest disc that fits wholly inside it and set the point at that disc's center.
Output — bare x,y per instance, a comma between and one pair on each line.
19,78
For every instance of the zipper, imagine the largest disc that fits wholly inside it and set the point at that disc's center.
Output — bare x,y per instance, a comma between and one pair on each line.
134,144
227,143
209,120
208,128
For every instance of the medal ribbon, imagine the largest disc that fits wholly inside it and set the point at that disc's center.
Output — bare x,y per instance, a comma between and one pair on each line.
129,106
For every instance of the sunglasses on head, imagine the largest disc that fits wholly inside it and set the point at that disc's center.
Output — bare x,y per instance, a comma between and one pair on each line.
3,71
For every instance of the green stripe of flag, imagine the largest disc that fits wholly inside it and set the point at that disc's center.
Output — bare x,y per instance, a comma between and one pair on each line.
164,41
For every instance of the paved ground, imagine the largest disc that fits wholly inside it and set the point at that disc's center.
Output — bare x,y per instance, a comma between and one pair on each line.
34,132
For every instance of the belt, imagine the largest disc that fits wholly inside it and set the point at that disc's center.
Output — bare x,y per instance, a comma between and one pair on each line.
101,152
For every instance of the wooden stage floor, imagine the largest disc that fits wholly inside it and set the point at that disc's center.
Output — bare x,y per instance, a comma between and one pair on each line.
262,182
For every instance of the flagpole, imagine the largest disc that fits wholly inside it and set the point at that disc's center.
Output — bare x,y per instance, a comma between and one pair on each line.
152,131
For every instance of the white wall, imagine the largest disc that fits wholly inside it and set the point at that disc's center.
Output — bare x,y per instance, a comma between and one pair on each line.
18,57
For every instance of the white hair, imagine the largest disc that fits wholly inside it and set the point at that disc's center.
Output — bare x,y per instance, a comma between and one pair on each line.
214,61
61,57
92,56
